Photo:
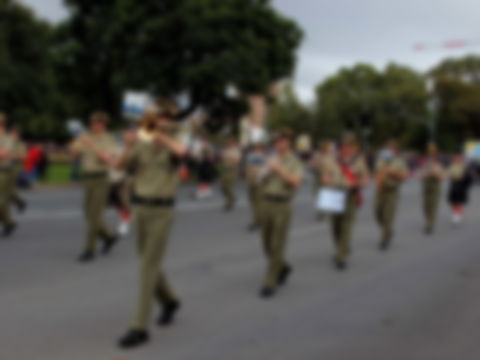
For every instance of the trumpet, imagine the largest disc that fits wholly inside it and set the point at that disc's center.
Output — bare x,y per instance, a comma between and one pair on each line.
152,123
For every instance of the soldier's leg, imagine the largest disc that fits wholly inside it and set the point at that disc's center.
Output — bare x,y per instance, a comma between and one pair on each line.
254,197
435,200
155,228
15,198
163,291
281,226
425,198
267,229
6,200
336,222
230,191
379,207
391,200
100,205
225,187
88,206
429,208
346,228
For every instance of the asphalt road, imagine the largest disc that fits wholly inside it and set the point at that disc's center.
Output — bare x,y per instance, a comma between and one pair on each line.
419,301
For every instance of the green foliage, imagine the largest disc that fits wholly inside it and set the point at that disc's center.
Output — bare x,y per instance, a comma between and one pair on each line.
202,47
196,47
27,91
288,111
375,105
457,88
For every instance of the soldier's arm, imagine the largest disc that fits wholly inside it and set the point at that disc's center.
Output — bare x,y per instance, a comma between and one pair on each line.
401,173
441,172
173,145
364,174
394,170
125,160
292,178
101,155
380,172
75,147
20,152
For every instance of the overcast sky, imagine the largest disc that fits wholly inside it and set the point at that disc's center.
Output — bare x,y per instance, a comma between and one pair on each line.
342,32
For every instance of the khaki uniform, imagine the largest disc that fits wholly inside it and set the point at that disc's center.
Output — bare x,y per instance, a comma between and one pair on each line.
387,195
229,175
155,181
8,144
342,224
255,161
276,211
320,162
96,186
431,174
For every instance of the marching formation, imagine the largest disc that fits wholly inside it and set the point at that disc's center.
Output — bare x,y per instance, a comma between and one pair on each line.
140,173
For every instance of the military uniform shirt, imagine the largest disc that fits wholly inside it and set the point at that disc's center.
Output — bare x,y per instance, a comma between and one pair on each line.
90,162
333,169
274,185
432,170
230,157
155,170
396,164
7,143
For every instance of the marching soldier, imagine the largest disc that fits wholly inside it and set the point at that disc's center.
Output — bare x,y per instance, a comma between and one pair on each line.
8,157
230,160
283,175
432,174
96,149
390,172
255,161
155,173
350,173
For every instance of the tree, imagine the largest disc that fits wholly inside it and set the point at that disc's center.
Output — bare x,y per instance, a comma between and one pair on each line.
348,101
403,107
198,48
458,112
27,90
288,111
466,69
375,105
457,90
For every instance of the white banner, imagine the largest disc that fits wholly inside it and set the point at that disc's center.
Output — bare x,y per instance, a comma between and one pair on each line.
332,201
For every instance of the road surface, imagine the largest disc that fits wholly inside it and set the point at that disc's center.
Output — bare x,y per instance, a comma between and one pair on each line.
419,301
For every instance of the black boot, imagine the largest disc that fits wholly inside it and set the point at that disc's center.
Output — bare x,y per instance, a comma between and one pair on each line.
284,275
340,265
108,244
22,206
167,316
428,230
133,338
86,257
267,292
9,229
384,245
